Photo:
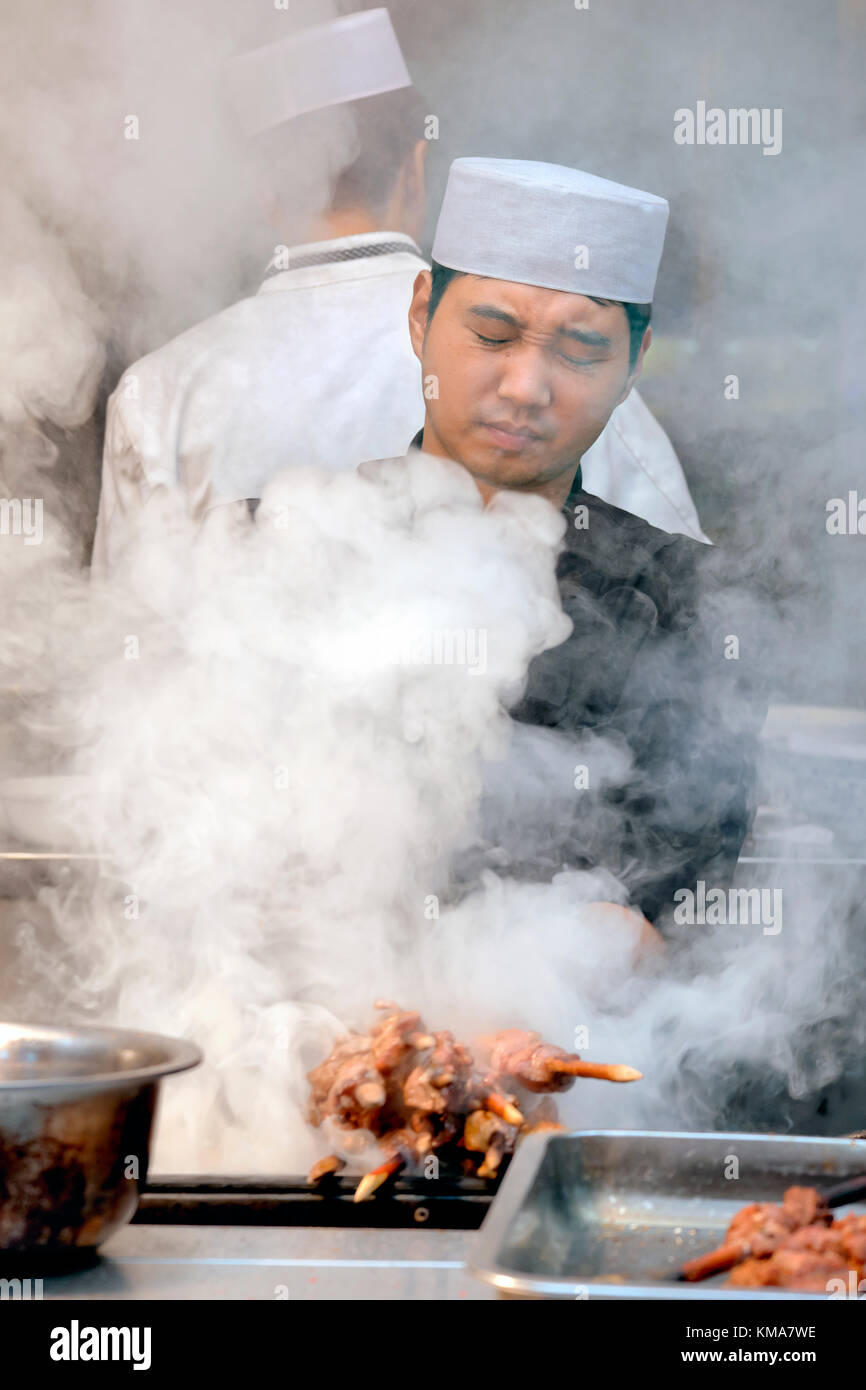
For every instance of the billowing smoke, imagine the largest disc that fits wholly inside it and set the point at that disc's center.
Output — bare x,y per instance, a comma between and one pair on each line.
119,134
292,738
290,733
273,850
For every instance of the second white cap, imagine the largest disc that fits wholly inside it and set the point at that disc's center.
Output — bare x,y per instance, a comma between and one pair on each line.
345,59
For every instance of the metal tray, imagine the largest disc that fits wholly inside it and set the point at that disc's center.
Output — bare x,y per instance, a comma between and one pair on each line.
614,1213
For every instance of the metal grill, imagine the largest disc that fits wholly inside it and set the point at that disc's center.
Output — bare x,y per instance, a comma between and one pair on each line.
456,1204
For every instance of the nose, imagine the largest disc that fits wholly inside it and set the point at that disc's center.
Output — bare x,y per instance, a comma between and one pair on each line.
525,379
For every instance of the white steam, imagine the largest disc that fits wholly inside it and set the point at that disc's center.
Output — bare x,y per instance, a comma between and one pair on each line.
279,802
283,805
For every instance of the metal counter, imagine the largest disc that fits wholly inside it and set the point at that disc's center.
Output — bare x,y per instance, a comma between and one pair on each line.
274,1263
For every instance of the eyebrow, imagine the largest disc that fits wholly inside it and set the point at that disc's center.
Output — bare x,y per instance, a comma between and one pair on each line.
489,311
579,335
582,335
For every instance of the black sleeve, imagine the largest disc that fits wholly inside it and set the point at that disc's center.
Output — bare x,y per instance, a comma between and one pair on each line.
690,711
644,674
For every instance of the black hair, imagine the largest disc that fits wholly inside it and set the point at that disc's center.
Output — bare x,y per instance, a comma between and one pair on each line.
388,127
638,315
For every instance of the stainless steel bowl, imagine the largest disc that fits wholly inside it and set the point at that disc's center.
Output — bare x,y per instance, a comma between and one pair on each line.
76,1112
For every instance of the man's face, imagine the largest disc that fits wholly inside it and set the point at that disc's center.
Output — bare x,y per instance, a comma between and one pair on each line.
527,378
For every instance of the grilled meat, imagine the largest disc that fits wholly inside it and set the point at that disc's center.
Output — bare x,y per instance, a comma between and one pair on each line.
796,1246
539,1066
417,1092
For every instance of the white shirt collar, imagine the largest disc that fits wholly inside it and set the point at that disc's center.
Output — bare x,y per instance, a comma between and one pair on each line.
338,258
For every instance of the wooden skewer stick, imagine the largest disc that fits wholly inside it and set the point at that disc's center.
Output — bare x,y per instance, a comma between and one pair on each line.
602,1071
715,1261
370,1181
324,1168
503,1108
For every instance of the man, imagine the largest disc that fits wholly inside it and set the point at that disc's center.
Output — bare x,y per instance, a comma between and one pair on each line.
317,367
526,350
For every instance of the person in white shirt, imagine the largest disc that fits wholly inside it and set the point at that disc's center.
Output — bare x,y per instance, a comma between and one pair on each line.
317,367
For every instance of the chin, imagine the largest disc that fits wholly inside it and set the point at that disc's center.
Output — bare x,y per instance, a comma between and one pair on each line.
498,471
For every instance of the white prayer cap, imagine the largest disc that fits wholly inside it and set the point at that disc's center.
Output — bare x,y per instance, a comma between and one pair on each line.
344,60
543,224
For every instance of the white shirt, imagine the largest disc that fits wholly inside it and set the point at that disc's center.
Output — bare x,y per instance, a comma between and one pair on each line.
317,368
633,465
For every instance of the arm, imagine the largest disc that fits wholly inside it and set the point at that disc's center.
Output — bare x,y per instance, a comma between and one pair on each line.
691,719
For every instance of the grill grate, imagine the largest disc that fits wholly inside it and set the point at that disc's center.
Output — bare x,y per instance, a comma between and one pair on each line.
455,1204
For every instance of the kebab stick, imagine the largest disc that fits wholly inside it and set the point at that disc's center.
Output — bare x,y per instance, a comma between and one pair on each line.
370,1181
602,1071
502,1107
715,1261
324,1168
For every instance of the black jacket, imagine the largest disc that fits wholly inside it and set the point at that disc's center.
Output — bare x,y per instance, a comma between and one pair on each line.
645,667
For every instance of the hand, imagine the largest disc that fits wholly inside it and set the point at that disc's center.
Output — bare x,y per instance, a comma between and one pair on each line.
616,918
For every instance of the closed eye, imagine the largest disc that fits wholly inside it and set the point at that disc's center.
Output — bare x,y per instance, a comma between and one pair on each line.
581,361
572,361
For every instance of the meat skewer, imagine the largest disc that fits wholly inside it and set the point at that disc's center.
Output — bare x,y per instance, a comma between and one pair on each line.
539,1066
759,1229
415,1092
809,1257
402,1146
325,1167
370,1181
716,1261
504,1108
602,1071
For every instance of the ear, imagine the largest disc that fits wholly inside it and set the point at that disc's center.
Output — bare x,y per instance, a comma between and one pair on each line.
407,207
418,311
635,372
416,175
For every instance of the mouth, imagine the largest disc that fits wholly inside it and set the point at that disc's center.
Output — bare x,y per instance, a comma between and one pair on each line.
511,438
